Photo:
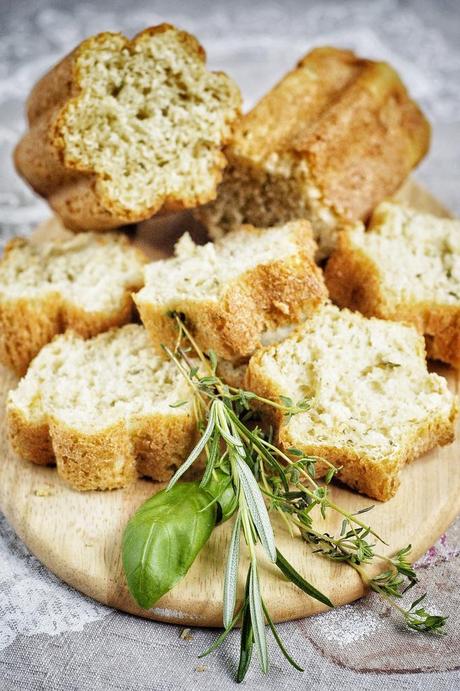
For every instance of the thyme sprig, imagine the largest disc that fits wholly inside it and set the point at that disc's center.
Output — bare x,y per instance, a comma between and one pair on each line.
250,477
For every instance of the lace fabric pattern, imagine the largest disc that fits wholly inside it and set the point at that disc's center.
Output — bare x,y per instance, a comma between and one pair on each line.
256,43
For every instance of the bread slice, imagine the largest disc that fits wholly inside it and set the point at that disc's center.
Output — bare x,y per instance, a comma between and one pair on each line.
374,406
121,129
101,408
232,291
406,268
334,137
83,283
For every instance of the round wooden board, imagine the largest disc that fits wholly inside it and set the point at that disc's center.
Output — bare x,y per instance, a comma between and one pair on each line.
78,535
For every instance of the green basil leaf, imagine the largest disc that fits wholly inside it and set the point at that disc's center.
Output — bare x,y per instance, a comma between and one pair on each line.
163,537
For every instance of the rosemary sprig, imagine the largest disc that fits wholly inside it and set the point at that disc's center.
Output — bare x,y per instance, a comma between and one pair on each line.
248,475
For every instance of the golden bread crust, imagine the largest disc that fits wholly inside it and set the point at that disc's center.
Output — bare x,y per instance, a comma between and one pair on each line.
73,190
103,460
111,458
30,440
377,479
354,281
267,296
350,122
153,446
28,324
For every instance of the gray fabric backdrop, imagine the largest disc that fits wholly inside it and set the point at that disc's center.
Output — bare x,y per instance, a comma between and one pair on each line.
52,637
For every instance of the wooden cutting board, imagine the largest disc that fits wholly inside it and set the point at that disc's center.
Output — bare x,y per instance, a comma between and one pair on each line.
78,535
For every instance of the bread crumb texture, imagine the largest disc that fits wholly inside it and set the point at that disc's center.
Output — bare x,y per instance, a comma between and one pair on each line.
374,406
405,268
235,290
83,283
101,410
334,137
120,129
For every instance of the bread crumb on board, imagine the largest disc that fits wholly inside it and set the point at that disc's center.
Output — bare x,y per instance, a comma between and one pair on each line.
44,491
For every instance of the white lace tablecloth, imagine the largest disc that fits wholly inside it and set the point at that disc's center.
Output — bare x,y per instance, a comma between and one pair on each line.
51,637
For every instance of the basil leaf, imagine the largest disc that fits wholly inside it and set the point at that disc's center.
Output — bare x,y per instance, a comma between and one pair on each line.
162,539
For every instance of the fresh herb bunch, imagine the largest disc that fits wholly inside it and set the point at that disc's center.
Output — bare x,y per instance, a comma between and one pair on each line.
247,476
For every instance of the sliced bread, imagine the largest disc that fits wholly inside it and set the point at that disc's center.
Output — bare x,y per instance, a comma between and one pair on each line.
101,409
83,283
120,129
406,268
374,406
334,137
233,291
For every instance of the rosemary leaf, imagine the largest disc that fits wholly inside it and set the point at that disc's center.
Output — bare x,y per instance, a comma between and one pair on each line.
257,508
223,635
247,638
298,580
197,450
257,618
212,458
231,573
279,641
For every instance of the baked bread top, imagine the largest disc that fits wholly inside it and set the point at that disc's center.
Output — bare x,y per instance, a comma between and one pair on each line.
407,268
331,106
235,290
373,404
121,129
81,282
102,408
333,138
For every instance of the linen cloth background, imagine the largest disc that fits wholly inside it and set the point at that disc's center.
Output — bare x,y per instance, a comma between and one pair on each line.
53,638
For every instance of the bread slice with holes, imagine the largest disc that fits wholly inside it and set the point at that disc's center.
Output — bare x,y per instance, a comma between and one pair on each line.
373,404
121,129
405,268
231,292
330,141
81,282
101,410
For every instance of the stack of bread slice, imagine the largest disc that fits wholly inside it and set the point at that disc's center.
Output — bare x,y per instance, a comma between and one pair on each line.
121,130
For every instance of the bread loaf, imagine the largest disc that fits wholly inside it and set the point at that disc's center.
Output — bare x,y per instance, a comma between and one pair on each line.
334,137
120,129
